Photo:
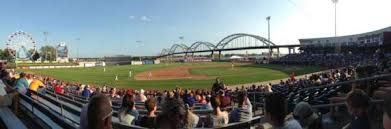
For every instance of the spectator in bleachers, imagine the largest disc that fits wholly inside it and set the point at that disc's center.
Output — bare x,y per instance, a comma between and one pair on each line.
58,88
173,114
7,95
307,118
202,99
128,113
22,84
149,120
189,98
36,83
224,99
218,117
4,82
141,96
357,102
113,93
387,111
104,89
217,86
275,112
207,105
99,112
86,92
191,118
83,113
244,110
29,78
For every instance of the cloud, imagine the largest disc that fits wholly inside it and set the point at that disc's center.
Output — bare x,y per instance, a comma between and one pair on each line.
131,17
145,18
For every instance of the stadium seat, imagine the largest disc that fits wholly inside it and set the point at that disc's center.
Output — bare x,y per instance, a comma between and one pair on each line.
10,120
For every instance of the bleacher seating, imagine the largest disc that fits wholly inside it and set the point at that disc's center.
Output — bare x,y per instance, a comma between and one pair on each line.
10,120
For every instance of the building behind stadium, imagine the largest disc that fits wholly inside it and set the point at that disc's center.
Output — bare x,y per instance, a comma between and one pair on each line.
364,42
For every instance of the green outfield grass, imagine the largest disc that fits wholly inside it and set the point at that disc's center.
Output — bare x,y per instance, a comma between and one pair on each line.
242,73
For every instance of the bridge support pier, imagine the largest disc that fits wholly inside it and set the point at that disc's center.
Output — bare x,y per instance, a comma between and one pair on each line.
294,51
211,55
289,50
219,55
278,52
185,57
192,56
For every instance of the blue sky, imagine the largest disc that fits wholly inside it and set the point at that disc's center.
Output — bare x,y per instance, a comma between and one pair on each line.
112,27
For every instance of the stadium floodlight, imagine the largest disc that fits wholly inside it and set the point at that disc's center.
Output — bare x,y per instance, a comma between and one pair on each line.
338,46
268,27
335,17
268,35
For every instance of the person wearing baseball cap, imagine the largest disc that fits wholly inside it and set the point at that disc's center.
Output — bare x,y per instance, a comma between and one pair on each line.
305,115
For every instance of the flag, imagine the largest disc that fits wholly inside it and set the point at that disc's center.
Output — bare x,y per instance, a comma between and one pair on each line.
268,18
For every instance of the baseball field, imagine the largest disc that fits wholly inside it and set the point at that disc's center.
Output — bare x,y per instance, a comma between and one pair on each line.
168,76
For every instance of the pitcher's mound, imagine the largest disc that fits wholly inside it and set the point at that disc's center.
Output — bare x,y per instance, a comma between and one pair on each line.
180,72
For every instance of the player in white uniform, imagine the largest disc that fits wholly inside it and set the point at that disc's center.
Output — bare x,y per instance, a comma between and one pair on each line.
149,75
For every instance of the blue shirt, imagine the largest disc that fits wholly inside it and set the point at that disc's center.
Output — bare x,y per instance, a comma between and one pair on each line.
86,93
22,85
190,101
134,113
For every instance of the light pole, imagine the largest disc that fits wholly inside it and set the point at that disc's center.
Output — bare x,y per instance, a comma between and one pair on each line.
335,17
139,44
268,35
46,34
77,49
338,45
268,27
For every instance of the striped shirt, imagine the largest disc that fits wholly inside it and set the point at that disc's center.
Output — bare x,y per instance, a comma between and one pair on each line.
242,114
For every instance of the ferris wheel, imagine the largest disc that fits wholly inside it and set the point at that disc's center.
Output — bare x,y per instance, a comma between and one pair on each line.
21,45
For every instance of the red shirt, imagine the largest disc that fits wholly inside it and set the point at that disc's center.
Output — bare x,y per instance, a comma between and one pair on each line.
58,89
292,77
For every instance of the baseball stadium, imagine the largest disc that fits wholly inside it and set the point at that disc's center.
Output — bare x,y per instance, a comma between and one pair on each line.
185,64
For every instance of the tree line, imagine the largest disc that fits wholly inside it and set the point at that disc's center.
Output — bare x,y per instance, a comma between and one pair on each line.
45,53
